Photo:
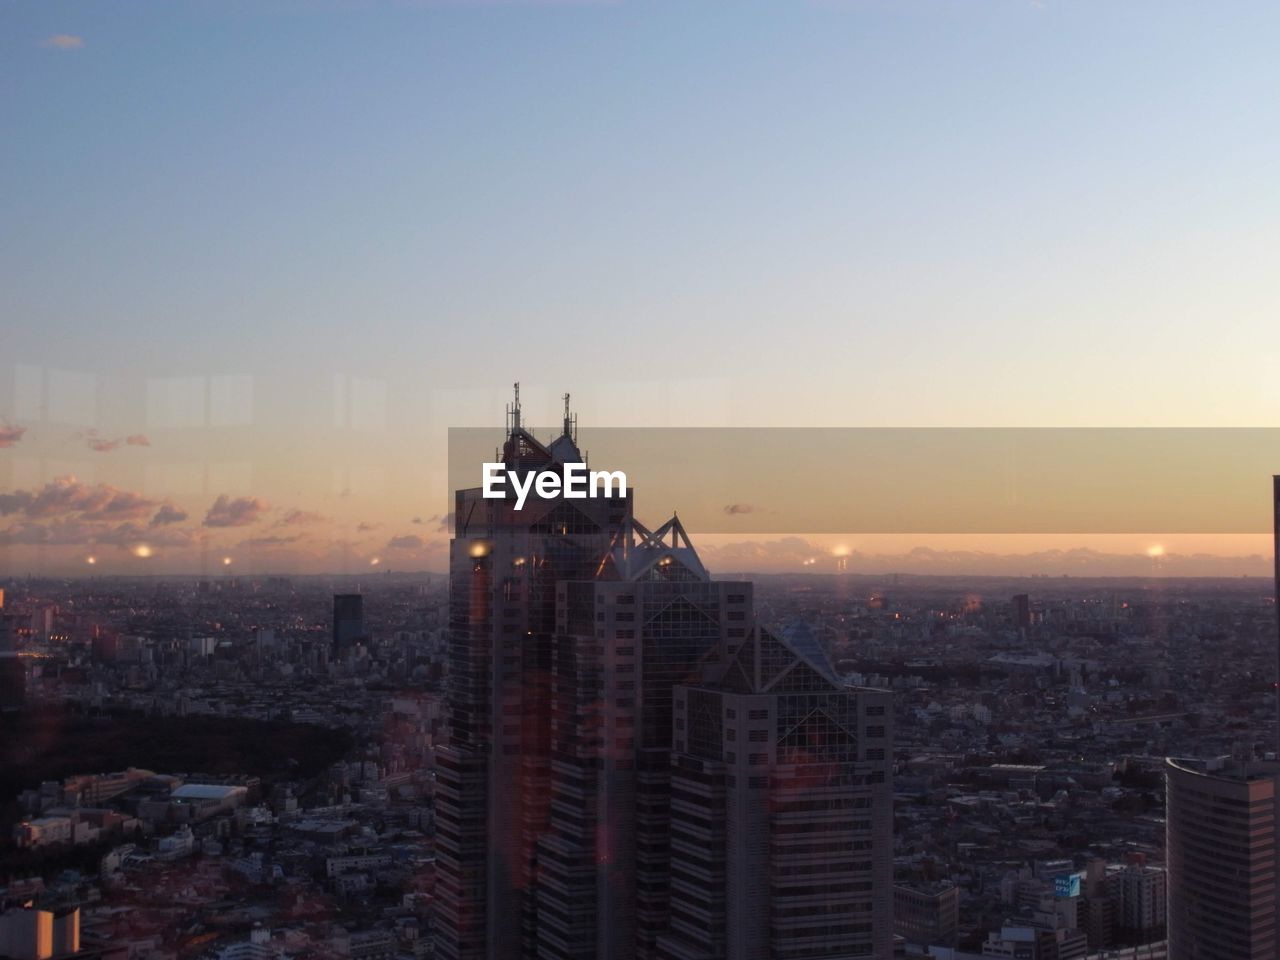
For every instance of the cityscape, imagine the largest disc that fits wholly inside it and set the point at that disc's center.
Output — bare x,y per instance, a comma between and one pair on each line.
582,743
639,480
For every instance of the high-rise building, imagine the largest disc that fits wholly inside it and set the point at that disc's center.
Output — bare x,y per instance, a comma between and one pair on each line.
781,812
348,621
577,638
1022,612
623,642
13,675
1221,820
493,798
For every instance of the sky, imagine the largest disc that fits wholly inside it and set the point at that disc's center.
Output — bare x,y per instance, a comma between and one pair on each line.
286,245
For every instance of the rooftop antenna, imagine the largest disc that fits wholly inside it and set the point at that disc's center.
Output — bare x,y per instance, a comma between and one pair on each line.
513,412
570,422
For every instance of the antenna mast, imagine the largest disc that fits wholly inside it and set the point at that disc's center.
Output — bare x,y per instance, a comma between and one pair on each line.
570,422
513,411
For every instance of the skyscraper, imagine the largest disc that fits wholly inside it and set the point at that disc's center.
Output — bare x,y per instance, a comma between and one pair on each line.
1022,612
493,778
782,811
13,676
1221,818
577,638
652,620
348,621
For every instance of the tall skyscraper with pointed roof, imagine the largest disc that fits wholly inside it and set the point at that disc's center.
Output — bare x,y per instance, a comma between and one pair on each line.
577,816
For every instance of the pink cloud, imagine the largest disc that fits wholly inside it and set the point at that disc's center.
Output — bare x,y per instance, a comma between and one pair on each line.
102,445
67,496
10,435
239,512
63,41
72,532
261,542
298,518
166,515
408,542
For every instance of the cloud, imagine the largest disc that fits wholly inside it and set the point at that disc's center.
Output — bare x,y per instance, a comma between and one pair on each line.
102,445
275,541
239,512
55,534
407,542
63,41
298,518
66,496
166,515
128,535
10,435
69,532
733,509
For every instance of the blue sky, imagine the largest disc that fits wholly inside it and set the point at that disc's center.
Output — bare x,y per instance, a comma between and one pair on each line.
927,213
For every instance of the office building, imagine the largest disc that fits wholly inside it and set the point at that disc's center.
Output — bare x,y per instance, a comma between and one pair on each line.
13,674
348,622
493,794
574,809
27,933
1221,857
927,914
1022,612
1139,894
781,814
